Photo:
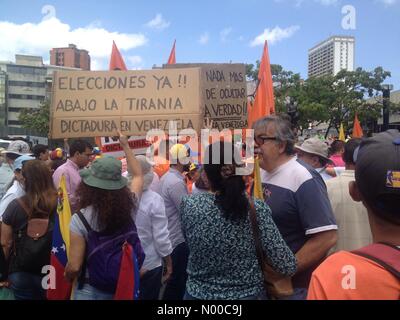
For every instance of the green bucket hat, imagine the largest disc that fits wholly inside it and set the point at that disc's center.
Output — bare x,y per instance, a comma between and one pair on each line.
104,173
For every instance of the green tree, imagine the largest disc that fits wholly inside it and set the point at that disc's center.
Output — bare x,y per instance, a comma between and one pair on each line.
336,99
287,85
37,119
329,99
252,71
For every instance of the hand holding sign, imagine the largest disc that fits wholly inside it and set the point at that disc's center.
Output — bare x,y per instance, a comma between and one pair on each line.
208,123
123,140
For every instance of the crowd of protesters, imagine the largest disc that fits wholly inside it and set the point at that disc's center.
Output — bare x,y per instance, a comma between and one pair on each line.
200,232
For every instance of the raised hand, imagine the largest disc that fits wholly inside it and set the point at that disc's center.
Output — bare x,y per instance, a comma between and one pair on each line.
208,123
123,140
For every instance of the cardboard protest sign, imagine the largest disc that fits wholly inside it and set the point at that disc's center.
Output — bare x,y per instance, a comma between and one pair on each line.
98,103
223,93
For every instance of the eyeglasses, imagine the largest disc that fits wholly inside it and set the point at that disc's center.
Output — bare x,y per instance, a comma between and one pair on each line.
260,140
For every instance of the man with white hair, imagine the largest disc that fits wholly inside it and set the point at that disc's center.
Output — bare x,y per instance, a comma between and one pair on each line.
152,227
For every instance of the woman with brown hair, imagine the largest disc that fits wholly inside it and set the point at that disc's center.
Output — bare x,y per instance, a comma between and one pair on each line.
33,212
103,225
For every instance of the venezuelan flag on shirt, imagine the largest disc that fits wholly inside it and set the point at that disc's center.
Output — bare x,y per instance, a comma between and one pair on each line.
60,247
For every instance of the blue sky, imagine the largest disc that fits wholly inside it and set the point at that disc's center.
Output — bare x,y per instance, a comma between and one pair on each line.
205,31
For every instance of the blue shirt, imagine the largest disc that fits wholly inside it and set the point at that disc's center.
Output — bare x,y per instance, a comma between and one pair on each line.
222,260
300,206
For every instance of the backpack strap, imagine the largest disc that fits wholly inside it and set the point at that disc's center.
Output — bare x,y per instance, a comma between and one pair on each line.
386,255
23,206
81,278
84,221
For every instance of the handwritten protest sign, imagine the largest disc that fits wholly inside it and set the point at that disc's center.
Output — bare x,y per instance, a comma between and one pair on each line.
98,103
223,93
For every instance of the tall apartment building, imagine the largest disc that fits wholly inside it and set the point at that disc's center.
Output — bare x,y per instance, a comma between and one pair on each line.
331,56
3,97
24,85
70,57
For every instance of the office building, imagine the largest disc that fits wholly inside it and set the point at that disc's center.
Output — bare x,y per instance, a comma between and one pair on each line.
331,56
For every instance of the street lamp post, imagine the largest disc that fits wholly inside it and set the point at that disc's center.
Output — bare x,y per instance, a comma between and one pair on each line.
292,110
386,88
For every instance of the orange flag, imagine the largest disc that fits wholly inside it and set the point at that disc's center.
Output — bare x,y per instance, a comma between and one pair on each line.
116,61
249,114
265,72
259,109
269,86
172,59
264,103
357,130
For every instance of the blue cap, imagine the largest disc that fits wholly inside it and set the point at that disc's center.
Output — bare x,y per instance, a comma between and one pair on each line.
20,161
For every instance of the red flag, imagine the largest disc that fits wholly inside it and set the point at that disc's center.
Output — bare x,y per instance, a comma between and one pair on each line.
128,280
116,61
357,130
172,59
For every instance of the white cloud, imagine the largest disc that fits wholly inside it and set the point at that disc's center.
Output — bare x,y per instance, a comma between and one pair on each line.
298,3
39,38
135,62
158,22
387,3
225,33
274,35
327,2
204,38
99,63
135,59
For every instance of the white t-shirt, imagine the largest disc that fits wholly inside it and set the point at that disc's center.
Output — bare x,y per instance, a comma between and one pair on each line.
15,191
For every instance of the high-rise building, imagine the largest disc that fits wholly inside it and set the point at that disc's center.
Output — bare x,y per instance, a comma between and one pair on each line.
3,96
331,56
24,85
70,57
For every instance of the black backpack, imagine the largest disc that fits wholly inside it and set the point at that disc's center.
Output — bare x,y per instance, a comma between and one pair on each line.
3,267
32,244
